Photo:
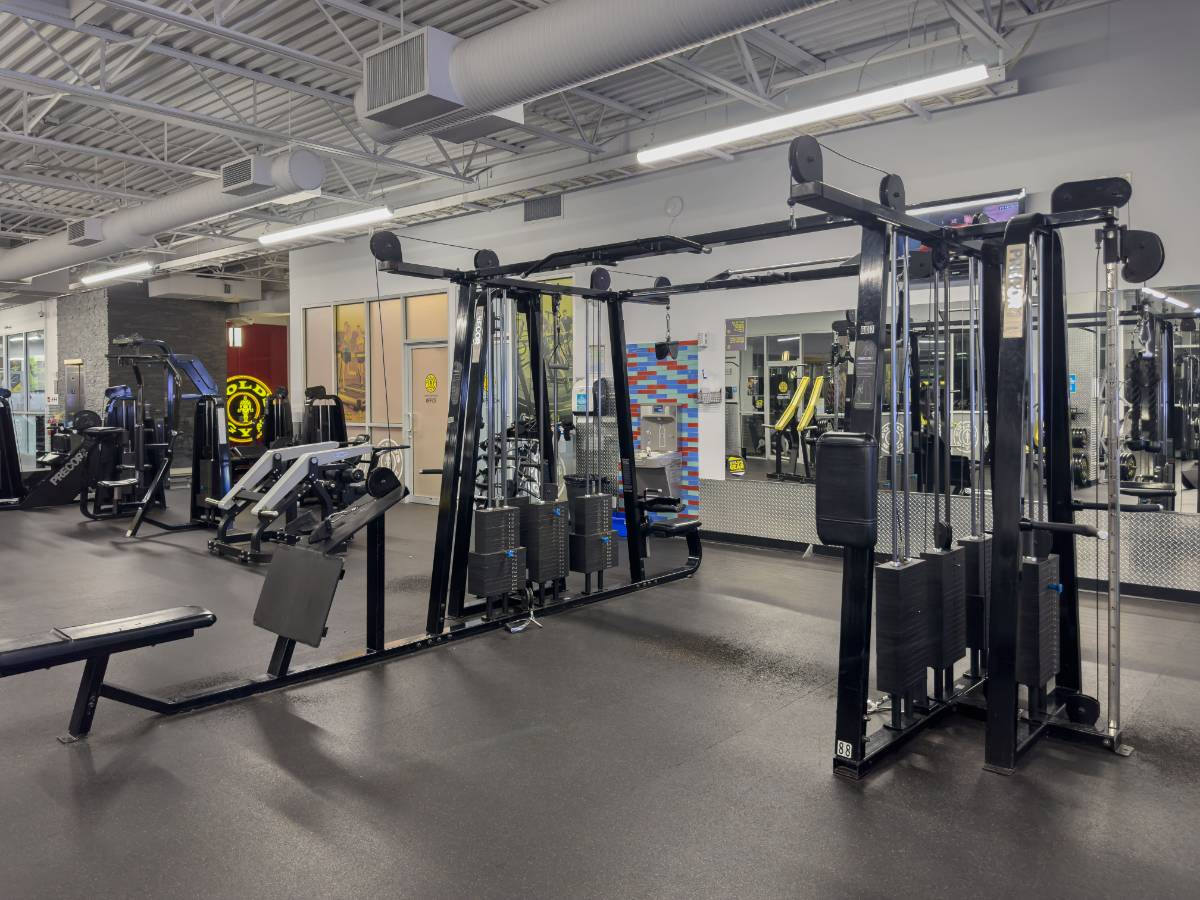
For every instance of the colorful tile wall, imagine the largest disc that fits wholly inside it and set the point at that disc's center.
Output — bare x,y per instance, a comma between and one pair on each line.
652,381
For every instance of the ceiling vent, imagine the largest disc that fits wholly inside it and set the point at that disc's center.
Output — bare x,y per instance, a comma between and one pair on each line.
85,232
543,208
408,80
190,286
246,176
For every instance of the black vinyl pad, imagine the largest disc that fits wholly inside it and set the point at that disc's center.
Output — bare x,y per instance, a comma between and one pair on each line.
298,593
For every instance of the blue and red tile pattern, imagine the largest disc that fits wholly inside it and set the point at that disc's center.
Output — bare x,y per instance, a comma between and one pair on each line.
652,381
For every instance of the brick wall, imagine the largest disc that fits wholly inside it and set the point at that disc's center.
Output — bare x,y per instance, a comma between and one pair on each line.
83,334
188,326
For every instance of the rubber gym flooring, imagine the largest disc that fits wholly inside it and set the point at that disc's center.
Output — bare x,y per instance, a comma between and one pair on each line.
672,743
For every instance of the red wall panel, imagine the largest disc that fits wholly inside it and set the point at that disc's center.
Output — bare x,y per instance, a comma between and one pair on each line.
263,354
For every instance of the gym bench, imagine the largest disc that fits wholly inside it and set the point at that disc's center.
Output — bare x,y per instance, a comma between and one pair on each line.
94,644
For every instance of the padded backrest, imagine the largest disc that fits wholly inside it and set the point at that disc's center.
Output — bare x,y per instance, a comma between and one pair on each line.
847,489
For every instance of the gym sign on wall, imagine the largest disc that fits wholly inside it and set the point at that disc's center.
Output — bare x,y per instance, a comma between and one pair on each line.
431,386
245,404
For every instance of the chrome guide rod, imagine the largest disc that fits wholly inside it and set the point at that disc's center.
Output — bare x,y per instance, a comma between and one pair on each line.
1113,369
907,403
893,443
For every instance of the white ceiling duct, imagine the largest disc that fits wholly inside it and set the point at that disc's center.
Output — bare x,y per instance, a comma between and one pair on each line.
135,226
429,80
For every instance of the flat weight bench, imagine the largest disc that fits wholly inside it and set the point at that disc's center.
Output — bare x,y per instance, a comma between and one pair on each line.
96,643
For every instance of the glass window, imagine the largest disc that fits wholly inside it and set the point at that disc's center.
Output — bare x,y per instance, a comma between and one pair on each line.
16,371
318,347
387,360
427,317
35,364
350,349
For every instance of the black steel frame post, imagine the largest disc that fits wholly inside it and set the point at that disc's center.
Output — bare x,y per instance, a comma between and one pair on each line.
532,304
1008,459
86,699
468,461
466,349
863,416
376,589
629,488
1059,483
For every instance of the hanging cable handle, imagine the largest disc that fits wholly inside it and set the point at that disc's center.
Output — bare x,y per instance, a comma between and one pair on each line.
1064,528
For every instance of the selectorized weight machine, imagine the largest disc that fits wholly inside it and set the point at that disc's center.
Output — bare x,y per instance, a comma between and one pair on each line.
1026,587
129,458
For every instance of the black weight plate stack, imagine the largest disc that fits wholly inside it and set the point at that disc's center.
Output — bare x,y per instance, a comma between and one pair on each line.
593,552
591,543
496,573
544,535
497,564
978,590
900,629
497,529
1037,622
591,514
946,622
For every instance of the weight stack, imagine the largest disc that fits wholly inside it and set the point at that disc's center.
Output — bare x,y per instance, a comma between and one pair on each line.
497,573
900,628
593,552
544,535
946,610
1037,622
497,529
497,564
978,592
591,514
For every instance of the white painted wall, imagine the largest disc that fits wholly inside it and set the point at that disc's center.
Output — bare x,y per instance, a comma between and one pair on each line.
1112,91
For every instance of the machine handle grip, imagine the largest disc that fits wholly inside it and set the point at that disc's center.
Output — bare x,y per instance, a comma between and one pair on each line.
1063,528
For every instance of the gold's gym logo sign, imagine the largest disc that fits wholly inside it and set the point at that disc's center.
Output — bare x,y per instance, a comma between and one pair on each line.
245,407
431,383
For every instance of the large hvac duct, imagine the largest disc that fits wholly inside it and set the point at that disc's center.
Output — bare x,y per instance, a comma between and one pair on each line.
247,183
552,49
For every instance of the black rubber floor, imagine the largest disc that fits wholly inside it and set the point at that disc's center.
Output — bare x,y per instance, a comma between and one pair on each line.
673,743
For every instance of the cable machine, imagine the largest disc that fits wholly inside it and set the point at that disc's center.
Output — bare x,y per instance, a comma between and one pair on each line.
1032,634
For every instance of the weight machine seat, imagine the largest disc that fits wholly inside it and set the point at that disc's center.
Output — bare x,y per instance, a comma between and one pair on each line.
674,527
660,504
105,432
117,483
59,646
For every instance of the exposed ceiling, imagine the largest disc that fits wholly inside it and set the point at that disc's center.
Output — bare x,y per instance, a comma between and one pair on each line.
106,103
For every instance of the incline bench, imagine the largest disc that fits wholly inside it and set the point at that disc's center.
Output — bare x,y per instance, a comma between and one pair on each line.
96,643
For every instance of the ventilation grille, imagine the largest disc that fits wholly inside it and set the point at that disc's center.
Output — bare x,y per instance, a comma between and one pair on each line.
543,208
85,232
235,174
396,73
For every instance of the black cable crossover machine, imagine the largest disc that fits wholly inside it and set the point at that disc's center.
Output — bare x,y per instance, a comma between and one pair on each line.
1029,602
299,588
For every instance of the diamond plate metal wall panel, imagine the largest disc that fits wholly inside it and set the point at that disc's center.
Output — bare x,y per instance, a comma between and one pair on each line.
1160,549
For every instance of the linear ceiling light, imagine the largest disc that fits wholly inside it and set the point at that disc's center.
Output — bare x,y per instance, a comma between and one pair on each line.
857,103
139,268
1166,298
968,204
211,256
341,223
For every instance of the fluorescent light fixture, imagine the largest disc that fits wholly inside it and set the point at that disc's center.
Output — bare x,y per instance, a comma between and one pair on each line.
963,204
139,268
912,90
187,262
298,197
1166,298
340,223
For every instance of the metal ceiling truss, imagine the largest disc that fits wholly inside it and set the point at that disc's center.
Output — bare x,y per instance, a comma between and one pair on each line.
271,108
